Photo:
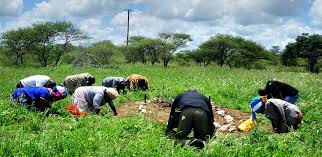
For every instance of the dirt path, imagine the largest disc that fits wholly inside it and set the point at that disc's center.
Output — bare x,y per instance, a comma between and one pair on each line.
159,110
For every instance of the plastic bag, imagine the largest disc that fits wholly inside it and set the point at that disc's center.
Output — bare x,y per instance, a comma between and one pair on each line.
247,126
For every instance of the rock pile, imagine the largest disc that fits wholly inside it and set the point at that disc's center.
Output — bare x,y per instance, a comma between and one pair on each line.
229,124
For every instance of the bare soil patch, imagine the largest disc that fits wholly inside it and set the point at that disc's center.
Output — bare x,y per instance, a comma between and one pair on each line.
160,109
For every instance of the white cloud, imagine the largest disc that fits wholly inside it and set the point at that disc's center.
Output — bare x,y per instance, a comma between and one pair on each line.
245,12
95,7
10,7
266,22
316,13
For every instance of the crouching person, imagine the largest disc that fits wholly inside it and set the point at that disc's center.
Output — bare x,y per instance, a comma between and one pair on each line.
36,81
191,110
89,99
135,81
282,114
40,98
115,82
74,81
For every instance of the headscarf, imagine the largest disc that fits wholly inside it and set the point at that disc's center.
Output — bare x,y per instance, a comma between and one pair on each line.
256,105
60,92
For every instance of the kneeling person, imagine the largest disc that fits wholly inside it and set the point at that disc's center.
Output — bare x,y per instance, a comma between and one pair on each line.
195,112
115,82
89,99
282,114
38,97
36,81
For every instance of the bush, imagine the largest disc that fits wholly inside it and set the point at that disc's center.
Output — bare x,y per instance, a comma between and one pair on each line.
260,65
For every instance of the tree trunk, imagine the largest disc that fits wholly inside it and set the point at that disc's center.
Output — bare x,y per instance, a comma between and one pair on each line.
21,58
312,62
165,62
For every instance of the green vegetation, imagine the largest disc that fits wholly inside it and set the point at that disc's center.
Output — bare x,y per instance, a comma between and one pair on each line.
305,46
31,133
53,43
47,41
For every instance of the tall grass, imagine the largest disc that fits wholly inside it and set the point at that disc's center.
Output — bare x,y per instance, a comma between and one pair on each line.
31,133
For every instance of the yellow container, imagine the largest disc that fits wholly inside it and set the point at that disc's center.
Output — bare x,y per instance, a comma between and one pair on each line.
247,126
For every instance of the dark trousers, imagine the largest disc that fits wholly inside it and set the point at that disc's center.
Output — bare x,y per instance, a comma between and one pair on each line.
196,119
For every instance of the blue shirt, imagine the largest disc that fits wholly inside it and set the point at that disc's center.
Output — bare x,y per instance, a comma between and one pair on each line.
112,81
34,93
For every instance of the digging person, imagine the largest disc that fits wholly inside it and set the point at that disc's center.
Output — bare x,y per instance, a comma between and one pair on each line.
191,110
279,90
89,99
74,81
115,82
135,81
40,98
282,114
36,81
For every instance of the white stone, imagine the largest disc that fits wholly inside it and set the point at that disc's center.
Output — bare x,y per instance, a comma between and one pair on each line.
221,112
217,125
224,128
141,107
232,128
228,118
143,110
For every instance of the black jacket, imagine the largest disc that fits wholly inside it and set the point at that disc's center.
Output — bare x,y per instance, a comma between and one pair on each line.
190,98
280,90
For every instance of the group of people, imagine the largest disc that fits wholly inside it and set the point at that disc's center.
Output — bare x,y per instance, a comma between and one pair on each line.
40,91
190,110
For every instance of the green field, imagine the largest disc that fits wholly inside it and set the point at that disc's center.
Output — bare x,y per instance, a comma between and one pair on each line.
31,133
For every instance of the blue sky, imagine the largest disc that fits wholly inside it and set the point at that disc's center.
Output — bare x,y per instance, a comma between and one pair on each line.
270,23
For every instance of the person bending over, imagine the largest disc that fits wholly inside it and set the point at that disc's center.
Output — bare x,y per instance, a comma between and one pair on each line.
282,114
115,82
40,98
36,81
89,99
191,110
279,90
74,81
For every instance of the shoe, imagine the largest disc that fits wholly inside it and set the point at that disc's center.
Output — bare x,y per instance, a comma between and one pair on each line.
198,143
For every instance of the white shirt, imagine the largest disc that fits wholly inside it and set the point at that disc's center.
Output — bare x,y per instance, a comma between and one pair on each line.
35,81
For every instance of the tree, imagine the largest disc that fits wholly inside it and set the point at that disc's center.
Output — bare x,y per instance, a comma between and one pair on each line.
178,40
53,40
146,49
136,39
103,51
310,48
232,51
17,43
289,55
249,52
48,41
222,47
276,50
201,57
305,46
67,33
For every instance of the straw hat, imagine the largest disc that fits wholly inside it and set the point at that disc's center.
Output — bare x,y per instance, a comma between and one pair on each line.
112,93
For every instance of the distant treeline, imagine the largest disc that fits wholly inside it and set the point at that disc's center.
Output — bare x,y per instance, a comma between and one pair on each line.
50,43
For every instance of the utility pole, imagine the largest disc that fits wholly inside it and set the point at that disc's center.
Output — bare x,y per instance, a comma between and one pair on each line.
128,26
